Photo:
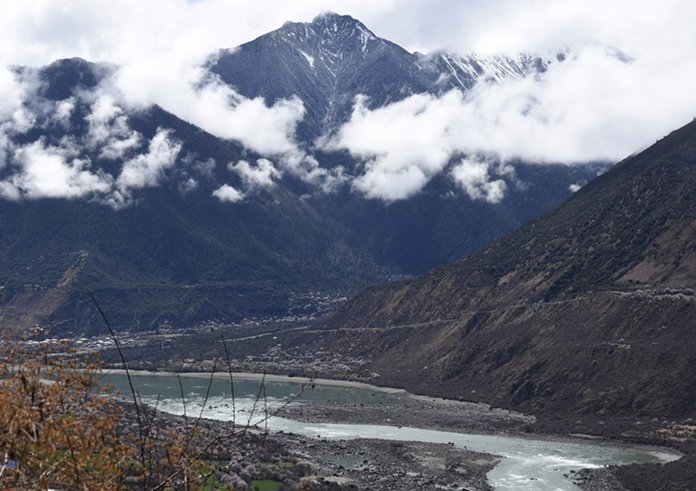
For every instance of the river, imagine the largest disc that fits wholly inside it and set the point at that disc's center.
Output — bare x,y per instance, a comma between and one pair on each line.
527,464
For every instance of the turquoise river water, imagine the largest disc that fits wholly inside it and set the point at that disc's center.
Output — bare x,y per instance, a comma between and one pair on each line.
527,464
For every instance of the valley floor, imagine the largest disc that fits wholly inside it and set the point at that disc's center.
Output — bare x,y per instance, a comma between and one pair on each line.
367,464
389,464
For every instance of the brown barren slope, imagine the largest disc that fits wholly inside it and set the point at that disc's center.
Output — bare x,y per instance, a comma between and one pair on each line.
589,310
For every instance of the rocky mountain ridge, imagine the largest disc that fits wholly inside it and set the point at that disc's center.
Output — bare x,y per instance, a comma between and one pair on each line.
334,58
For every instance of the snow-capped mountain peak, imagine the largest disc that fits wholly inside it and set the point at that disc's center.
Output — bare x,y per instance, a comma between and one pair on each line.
462,72
334,58
329,38
330,23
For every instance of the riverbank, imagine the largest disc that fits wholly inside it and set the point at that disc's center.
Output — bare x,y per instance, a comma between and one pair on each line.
677,474
417,411
258,377
247,456
338,461
370,464
407,410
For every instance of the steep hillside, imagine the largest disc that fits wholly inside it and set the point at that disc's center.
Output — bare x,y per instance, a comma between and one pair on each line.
97,194
169,251
588,309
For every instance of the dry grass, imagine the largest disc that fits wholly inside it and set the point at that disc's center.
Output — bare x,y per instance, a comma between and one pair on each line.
59,431
55,430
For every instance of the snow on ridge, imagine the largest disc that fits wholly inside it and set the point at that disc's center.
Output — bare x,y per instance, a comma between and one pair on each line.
473,67
365,36
309,58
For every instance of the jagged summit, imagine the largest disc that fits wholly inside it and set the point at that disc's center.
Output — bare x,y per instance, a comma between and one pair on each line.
342,26
331,15
337,22
329,25
329,38
462,72
326,63
334,58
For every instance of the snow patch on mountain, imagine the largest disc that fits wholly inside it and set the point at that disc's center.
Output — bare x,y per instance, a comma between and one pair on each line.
310,59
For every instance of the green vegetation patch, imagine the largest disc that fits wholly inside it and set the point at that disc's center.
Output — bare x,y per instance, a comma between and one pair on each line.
266,485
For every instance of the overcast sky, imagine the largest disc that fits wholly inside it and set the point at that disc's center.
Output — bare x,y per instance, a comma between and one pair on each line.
629,82
38,31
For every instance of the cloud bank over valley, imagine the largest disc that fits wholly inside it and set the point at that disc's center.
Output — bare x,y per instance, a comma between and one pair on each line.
615,79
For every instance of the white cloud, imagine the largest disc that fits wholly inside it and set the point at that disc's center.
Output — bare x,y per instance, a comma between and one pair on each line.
5,145
188,185
182,32
63,168
39,170
194,96
267,130
108,129
162,68
147,170
307,168
14,118
205,168
63,112
228,194
592,107
11,93
474,178
403,144
511,26
52,172
261,175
